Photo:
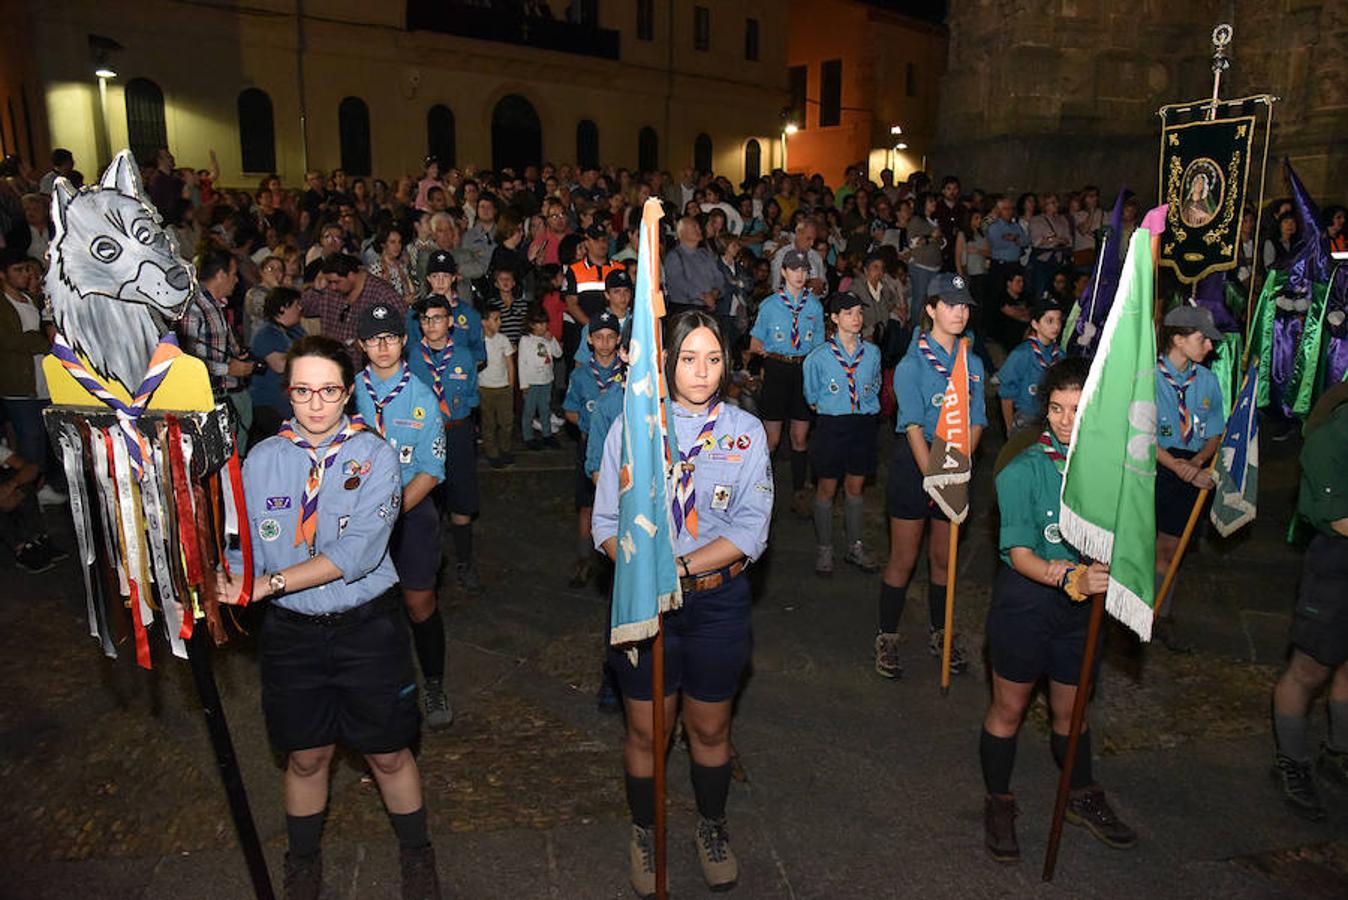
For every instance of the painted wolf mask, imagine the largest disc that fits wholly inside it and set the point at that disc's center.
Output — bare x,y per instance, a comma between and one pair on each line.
115,280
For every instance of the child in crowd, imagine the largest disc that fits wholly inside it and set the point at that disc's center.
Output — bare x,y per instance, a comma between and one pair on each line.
537,351
513,307
1024,369
496,387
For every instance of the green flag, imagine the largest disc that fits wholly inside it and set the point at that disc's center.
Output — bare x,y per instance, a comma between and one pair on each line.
1109,489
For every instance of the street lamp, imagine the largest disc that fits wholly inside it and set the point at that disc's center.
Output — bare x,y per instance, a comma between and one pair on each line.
789,128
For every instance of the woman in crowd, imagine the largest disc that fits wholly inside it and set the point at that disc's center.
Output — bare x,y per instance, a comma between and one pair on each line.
1050,245
278,330
391,264
271,275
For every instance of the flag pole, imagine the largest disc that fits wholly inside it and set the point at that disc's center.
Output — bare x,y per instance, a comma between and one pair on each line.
1074,734
658,749
950,571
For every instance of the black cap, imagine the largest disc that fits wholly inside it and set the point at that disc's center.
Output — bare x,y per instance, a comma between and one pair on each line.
618,278
596,230
1194,318
442,261
380,319
840,300
795,259
1045,304
952,289
606,321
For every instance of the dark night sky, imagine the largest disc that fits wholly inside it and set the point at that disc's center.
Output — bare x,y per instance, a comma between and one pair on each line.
931,10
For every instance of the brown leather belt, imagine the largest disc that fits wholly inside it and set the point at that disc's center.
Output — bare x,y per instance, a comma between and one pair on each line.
456,423
793,360
709,581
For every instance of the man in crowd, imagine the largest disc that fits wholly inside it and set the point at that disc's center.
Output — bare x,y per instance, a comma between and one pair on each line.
343,290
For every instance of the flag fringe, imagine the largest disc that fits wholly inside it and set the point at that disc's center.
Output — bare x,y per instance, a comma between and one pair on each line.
636,632
1089,539
944,479
1129,608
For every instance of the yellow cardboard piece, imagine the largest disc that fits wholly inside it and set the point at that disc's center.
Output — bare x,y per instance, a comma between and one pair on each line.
186,387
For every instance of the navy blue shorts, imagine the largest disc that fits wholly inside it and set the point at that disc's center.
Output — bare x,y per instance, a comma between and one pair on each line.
1035,630
351,685
708,642
1320,622
783,394
904,496
1175,499
415,547
844,445
460,483
584,483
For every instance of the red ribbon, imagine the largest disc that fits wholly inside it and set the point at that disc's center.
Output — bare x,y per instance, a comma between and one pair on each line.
187,520
142,638
245,529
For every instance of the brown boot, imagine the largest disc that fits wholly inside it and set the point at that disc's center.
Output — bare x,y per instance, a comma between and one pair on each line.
1089,808
421,881
719,866
999,828
641,861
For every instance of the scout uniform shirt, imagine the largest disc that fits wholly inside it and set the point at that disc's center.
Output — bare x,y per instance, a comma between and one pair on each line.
608,410
1202,406
1324,473
829,387
358,502
587,384
732,478
1022,372
787,328
453,368
920,380
1029,489
465,320
584,351
406,412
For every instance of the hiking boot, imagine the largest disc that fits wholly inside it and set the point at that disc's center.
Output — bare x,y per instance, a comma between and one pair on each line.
303,876
1333,764
999,828
887,655
33,558
860,557
580,575
420,879
1297,784
1088,807
823,560
936,643
719,867
641,861
466,575
1169,637
439,714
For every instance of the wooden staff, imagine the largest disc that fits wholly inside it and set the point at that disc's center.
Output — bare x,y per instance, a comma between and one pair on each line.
1074,734
949,606
1173,569
658,748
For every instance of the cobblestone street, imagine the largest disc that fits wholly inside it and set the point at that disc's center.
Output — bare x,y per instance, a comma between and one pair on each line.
855,787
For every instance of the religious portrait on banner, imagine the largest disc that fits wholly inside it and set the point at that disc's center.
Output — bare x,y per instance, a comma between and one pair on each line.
1204,168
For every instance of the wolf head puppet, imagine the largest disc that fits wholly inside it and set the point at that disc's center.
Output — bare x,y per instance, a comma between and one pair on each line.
116,279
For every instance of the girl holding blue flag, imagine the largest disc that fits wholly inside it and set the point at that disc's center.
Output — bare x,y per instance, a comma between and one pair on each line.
721,494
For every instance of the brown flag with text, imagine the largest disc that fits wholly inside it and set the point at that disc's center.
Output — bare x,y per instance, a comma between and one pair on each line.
948,465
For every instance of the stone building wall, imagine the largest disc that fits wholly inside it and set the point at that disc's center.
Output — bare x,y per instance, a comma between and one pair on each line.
1052,94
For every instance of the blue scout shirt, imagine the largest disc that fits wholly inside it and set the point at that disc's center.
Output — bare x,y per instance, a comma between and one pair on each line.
607,411
1004,250
413,425
1203,398
459,378
584,389
1029,491
920,389
584,351
773,325
358,503
826,386
732,477
467,321
1022,372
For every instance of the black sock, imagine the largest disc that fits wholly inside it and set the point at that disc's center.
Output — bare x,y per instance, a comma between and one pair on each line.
1082,776
798,462
429,639
936,604
641,799
998,756
891,606
711,786
411,828
304,833
463,542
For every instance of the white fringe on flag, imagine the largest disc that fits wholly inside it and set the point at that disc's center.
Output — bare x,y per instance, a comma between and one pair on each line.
1129,608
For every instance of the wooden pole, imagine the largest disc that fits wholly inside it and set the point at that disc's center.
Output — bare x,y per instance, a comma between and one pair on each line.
1173,569
658,751
949,606
1074,734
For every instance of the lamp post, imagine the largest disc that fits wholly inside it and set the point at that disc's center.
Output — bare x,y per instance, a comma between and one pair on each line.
100,51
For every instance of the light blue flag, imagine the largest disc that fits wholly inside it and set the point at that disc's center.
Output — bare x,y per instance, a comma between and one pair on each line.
1237,471
645,581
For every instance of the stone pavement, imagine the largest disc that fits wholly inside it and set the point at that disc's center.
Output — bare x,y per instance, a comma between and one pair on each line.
856,787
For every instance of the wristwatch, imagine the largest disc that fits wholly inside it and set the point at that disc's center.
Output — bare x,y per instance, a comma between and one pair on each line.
277,583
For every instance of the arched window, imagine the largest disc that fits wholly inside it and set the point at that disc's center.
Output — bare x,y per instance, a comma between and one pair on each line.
516,134
753,159
587,144
145,130
353,128
440,135
257,132
648,150
702,153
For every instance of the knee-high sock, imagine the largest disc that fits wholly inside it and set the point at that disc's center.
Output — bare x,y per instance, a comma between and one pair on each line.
1082,776
305,833
410,828
1338,725
998,758
641,799
852,517
891,606
823,523
1289,734
463,542
429,639
711,786
936,604
798,463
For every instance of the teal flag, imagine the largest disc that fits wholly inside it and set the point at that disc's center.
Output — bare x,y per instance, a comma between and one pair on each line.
1109,489
1307,371
1237,469
1226,366
645,581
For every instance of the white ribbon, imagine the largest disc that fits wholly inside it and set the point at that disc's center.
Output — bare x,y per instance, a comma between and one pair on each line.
112,538
152,498
134,537
72,460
